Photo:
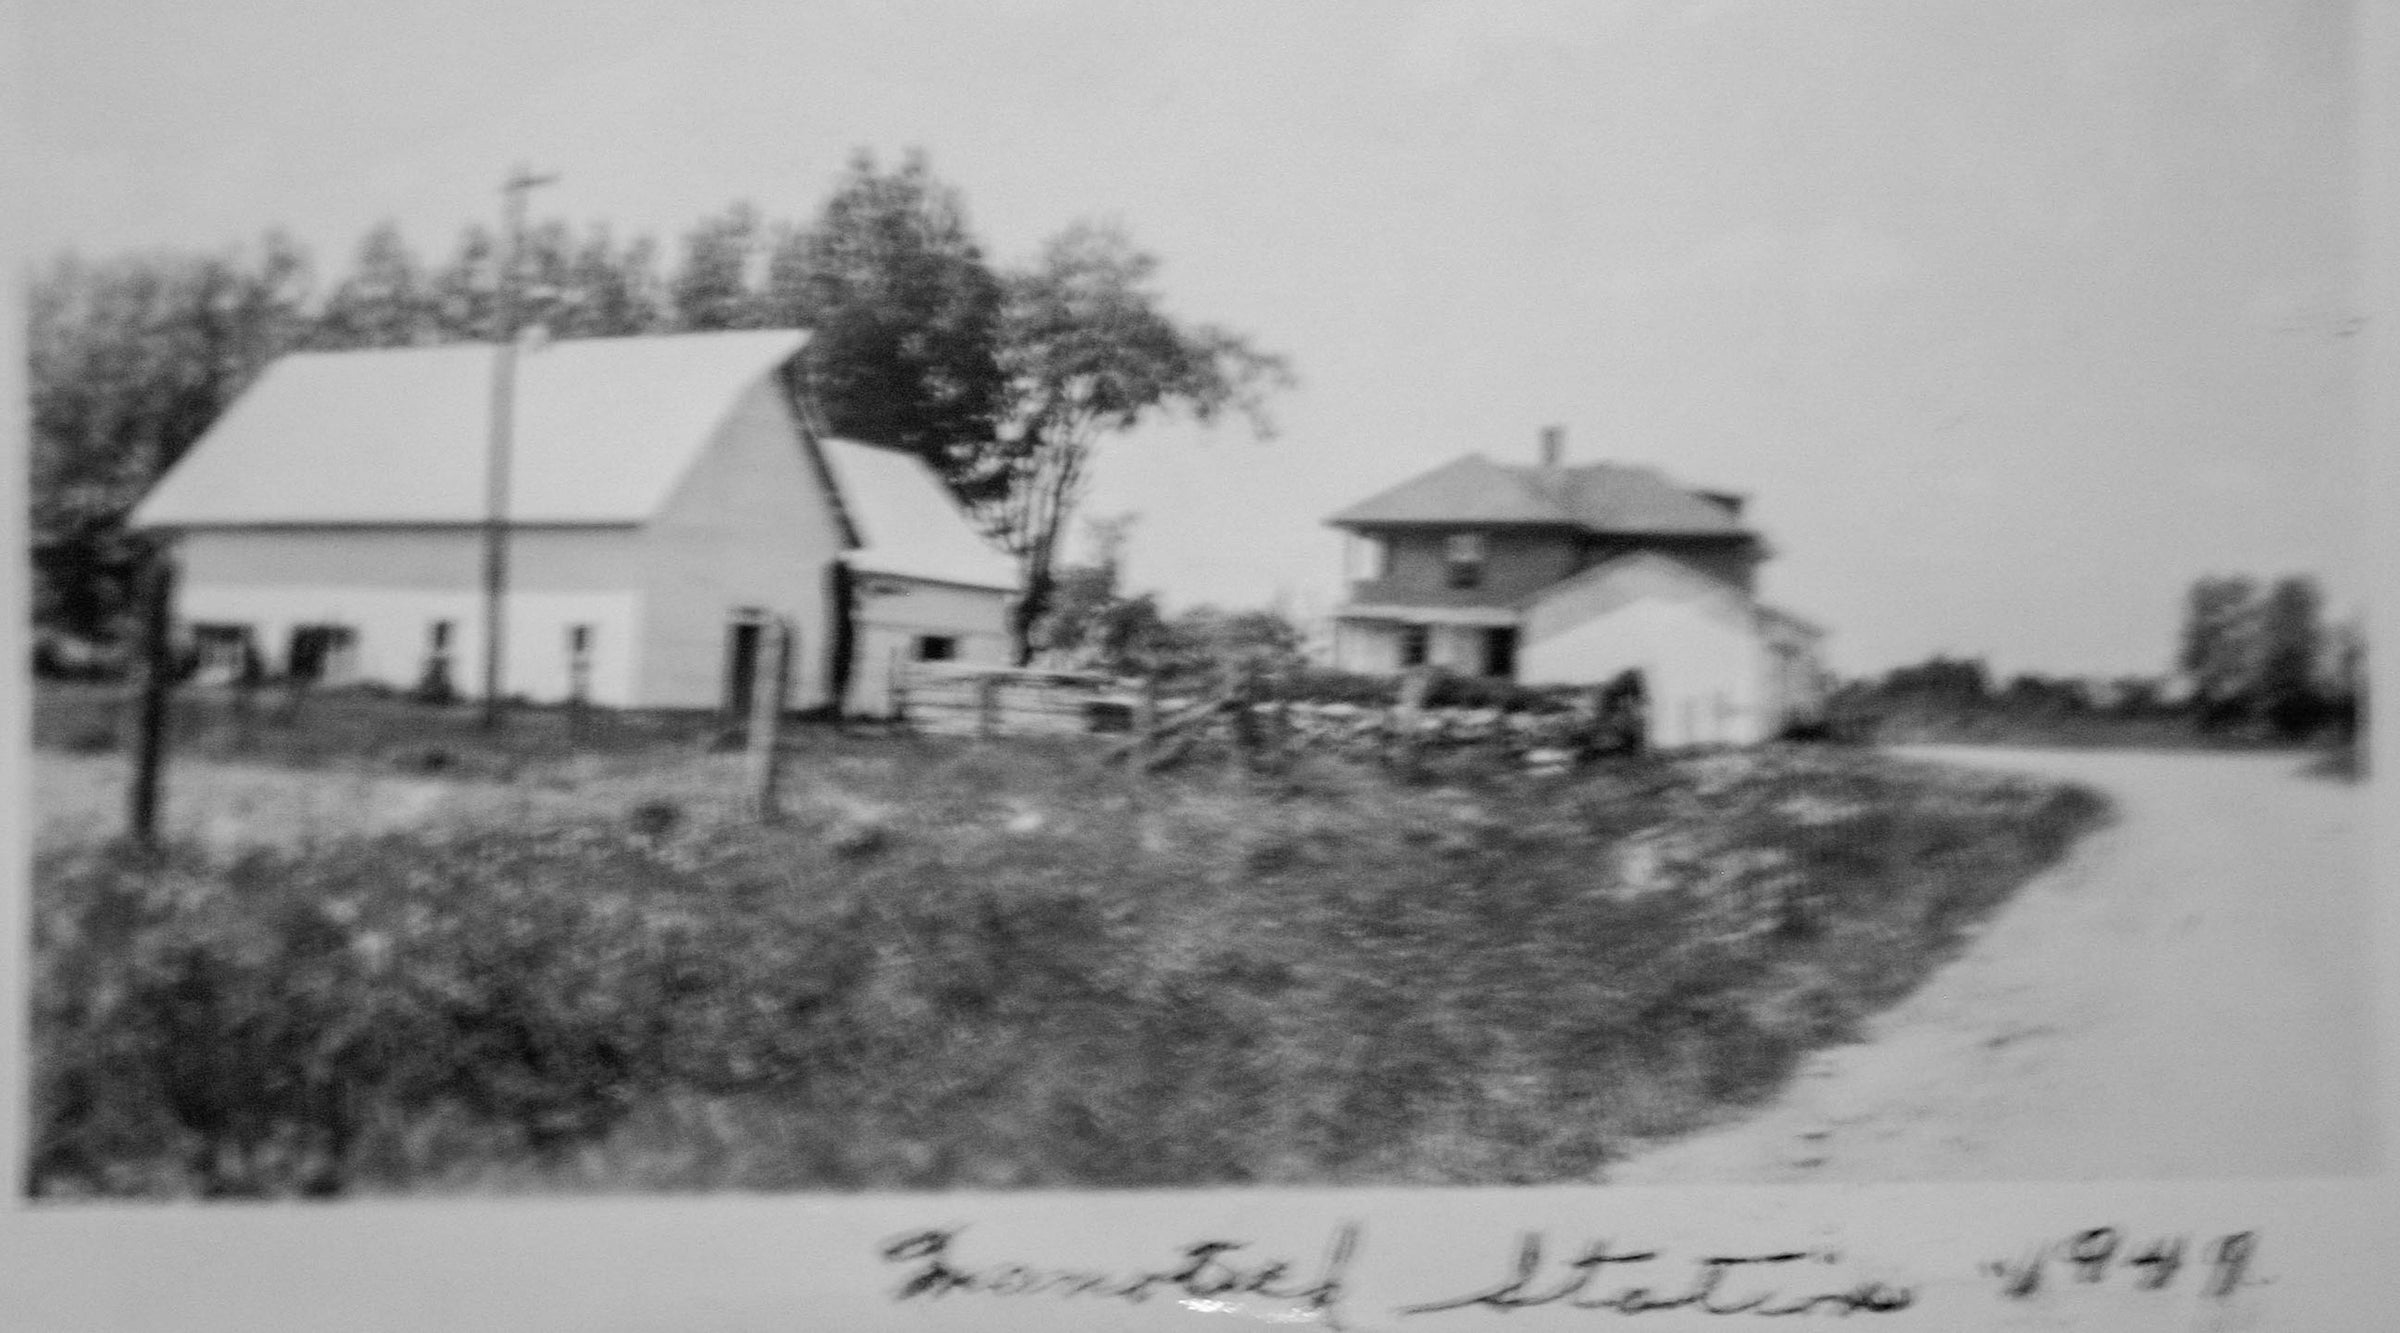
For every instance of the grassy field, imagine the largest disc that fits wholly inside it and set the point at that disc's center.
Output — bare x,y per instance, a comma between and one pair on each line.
960,964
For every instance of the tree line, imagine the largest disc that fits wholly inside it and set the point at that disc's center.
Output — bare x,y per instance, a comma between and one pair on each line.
2253,659
2263,656
1004,378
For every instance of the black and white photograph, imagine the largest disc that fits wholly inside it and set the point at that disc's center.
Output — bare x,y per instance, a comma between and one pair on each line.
735,600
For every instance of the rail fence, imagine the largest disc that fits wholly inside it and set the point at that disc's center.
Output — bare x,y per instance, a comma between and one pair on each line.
1245,715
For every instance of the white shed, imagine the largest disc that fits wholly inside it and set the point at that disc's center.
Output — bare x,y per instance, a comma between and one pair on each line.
1707,674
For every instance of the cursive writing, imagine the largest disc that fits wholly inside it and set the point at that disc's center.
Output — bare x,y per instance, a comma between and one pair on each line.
1574,1284
1206,1271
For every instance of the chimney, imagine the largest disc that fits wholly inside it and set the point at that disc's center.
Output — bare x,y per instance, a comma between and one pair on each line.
1554,445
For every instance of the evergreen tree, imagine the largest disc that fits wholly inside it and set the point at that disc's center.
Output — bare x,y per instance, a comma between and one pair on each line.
713,287
385,301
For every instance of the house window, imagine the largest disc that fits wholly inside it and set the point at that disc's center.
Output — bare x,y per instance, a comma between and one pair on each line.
1462,556
1416,644
936,648
1371,558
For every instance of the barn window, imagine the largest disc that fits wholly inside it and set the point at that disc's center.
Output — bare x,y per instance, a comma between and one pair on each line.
224,653
1416,643
325,654
579,662
1462,556
936,648
434,685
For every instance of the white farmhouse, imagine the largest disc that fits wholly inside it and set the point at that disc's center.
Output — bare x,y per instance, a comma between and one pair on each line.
665,502
1558,574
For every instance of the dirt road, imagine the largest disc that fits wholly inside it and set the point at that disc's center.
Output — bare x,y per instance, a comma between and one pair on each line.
2188,995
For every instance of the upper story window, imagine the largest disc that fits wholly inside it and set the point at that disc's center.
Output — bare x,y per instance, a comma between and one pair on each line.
1463,556
1370,557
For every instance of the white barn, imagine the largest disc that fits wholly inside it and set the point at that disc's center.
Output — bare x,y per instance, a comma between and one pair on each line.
666,500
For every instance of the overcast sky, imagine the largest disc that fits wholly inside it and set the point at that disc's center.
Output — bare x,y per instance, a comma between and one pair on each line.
2010,318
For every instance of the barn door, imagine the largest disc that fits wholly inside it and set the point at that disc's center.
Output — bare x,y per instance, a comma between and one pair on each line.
744,638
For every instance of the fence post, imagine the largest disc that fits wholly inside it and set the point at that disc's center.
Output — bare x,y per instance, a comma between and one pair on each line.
156,679
895,689
579,686
1407,712
987,706
1144,746
245,701
766,714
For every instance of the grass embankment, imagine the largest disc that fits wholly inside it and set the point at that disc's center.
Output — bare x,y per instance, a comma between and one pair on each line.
961,966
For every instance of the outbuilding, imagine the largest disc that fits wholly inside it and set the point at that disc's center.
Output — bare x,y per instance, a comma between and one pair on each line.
1554,573
666,503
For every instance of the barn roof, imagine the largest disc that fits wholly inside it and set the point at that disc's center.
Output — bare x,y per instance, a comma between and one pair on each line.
906,523
1595,497
604,427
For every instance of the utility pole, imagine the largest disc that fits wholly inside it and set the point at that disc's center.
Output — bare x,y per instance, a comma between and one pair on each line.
496,464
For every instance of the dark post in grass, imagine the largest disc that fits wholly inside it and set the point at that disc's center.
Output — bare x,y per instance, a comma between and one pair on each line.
987,706
579,685
1282,736
1241,705
766,713
245,700
156,678
1408,717
1142,749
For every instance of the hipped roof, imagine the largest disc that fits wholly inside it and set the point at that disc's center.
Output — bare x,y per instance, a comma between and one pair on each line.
1594,497
603,429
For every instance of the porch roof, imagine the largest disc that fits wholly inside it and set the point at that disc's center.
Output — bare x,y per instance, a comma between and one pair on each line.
1497,617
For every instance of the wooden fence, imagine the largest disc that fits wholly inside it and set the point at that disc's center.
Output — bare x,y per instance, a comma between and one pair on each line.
948,699
1245,719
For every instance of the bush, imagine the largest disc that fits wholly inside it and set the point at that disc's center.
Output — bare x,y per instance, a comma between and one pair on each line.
1446,689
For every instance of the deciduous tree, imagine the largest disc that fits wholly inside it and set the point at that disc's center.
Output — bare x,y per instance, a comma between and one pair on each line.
130,359
1090,351
2220,650
904,315
2290,651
